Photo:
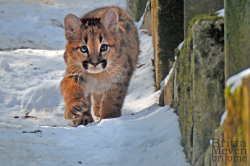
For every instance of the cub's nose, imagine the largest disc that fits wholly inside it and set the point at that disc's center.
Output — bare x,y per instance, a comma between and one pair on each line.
85,64
103,63
94,64
94,61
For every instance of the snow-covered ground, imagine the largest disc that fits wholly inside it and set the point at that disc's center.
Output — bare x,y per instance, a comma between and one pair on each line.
32,128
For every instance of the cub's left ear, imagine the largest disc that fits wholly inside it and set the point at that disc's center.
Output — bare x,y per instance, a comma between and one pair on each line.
72,26
110,21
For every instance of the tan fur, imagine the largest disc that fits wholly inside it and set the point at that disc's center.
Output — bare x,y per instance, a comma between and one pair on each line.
109,86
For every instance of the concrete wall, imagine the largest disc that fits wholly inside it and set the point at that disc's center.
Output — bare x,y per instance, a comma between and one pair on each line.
193,8
170,32
136,8
208,83
235,131
200,85
237,33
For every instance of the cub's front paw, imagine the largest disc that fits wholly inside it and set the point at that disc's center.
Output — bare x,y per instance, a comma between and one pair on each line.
75,112
84,120
79,114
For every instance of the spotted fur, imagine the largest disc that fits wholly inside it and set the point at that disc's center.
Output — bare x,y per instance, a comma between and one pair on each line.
101,54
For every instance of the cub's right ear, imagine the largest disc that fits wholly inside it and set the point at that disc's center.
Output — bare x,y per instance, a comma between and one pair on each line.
72,26
110,21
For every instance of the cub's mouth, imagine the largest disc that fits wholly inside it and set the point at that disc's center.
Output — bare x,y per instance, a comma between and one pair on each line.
94,67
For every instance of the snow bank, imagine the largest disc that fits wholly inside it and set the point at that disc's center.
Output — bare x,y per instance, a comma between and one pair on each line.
223,118
181,45
165,81
235,81
141,90
31,85
38,24
4,65
145,139
221,12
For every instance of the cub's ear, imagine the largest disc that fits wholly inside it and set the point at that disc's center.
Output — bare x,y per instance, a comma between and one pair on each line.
72,26
110,21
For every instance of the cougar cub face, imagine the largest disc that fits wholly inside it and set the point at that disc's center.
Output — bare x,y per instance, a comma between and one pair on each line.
91,43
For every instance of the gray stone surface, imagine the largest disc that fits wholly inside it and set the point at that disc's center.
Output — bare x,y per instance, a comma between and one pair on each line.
199,85
168,35
193,8
147,19
237,32
136,8
208,83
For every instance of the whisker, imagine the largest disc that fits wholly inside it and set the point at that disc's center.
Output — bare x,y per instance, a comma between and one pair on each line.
76,73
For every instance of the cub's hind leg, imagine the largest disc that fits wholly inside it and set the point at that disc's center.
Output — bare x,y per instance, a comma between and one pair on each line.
77,106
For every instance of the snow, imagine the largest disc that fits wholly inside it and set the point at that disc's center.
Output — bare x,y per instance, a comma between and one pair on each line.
141,90
110,142
221,12
32,128
181,45
210,141
236,80
165,81
4,65
139,23
223,118
40,23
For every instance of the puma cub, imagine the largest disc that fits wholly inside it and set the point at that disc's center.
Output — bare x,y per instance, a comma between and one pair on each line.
101,54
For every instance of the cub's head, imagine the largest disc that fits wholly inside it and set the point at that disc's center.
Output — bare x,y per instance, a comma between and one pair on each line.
91,42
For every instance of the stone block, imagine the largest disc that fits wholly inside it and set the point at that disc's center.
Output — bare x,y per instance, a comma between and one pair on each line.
167,95
208,83
136,8
167,34
168,90
233,136
193,8
237,123
199,85
183,95
147,22
237,35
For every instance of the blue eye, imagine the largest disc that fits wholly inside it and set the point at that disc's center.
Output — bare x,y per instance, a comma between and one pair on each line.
84,49
104,47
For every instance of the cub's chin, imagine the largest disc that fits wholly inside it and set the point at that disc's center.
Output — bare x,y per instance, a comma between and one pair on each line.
95,71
